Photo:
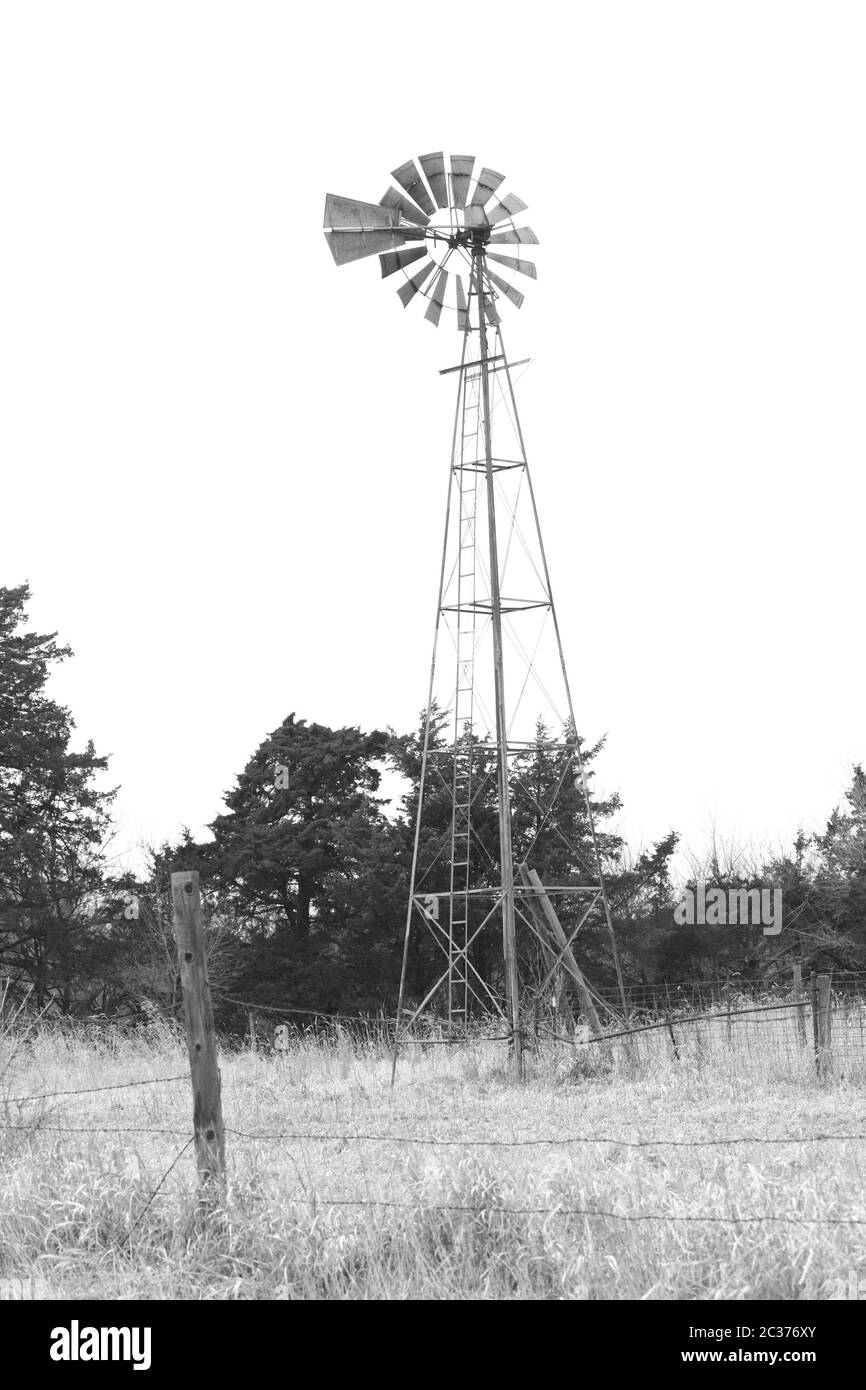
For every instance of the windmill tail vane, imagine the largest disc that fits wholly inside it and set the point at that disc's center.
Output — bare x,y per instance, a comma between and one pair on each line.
454,239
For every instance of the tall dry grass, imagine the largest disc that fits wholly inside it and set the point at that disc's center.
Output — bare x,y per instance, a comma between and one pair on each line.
308,1216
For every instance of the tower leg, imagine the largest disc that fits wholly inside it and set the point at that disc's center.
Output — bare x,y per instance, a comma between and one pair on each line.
509,934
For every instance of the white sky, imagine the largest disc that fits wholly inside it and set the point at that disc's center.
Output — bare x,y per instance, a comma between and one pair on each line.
224,459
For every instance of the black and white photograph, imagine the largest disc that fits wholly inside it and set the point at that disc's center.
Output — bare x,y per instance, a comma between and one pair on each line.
432,720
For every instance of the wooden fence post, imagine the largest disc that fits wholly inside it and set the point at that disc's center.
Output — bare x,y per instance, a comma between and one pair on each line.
251,1019
825,1056
799,1001
200,1033
673,1038
729,1032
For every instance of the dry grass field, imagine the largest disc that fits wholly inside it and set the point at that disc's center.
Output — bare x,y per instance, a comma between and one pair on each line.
456,1184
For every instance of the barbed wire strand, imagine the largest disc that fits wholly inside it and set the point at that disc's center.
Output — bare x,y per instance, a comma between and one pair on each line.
681,1020
92,1090
36,1128
479,1208
309,1013
564,1141
549,1141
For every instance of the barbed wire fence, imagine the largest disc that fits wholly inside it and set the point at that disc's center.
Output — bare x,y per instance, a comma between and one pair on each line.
480,1207
820,1033
806,1034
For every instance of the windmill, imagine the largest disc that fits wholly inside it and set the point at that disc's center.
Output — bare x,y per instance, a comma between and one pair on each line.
455,241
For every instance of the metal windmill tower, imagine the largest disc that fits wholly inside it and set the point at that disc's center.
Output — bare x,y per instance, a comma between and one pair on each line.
454,241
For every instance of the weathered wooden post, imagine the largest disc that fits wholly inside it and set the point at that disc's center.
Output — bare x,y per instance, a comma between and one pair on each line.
825,1056
729,1032
200,1032
251,1020
673,1038
800,1002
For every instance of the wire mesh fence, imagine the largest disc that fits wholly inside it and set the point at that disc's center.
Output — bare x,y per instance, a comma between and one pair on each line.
821,1033
700,1022
666,995
780,1040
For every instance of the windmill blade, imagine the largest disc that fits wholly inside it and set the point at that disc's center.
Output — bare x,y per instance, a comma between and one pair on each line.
408,291
514,263
434,169
342,213
488,182
508,290
510,206
475,217
437,299
491,312
398,260
392,199
462,306
525,236
349,245
408,177
461,176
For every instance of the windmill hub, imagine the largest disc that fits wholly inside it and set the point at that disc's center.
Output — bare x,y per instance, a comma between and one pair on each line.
470,237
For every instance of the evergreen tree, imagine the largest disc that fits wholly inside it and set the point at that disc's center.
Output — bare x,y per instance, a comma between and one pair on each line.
832,926
313,870
53,818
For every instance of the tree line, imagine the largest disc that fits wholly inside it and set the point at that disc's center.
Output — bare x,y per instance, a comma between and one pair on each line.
305,873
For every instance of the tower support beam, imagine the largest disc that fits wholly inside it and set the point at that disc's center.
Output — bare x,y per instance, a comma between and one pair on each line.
506,857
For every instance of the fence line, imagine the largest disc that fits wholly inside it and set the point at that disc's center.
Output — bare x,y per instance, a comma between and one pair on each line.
460,1040
309,1013
476,1209
663,998
383,1025
730,981
92,1090
658,995
369,1022
550,1141
718,1016
37,1128
483,1207
757,1013
721,1013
